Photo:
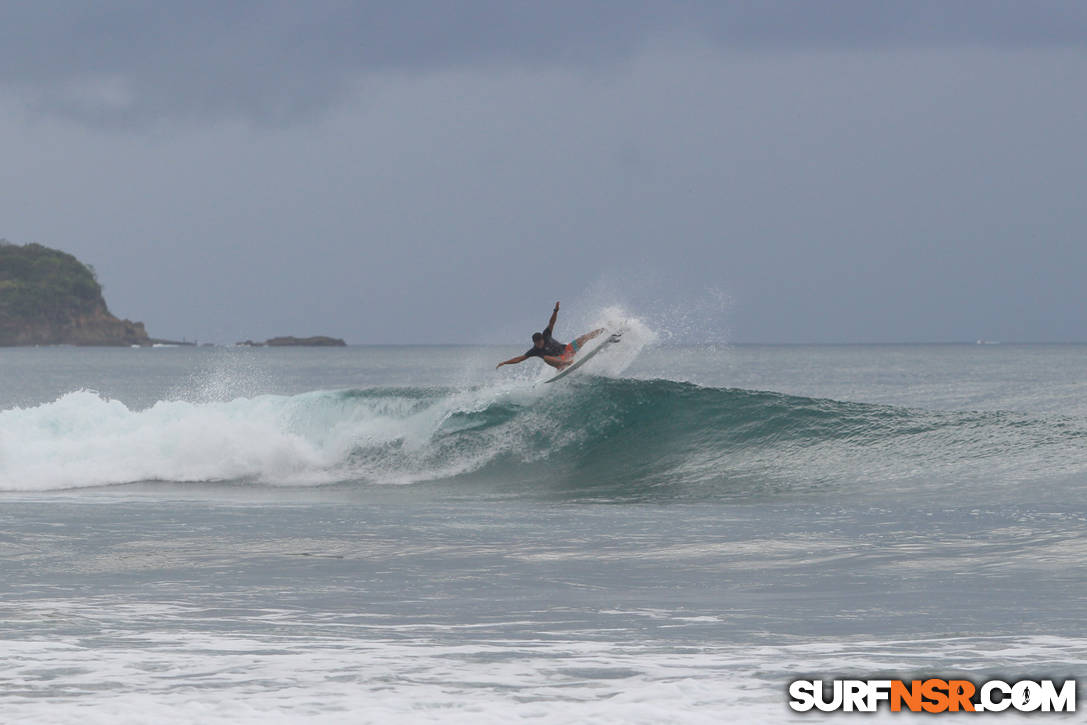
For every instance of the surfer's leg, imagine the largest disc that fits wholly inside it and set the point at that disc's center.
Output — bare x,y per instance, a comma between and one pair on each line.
588,336
555,362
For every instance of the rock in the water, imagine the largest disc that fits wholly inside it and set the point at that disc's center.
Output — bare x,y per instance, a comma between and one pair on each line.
315,341
291,341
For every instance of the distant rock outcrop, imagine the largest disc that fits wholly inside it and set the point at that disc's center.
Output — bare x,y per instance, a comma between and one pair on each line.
48,297
290,341
315,341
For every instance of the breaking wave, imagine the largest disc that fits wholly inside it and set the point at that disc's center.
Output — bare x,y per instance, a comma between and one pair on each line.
605,438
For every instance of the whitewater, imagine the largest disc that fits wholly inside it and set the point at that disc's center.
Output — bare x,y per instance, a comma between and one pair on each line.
377,534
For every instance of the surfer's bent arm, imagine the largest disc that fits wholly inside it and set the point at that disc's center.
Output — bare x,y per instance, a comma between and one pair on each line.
512,361
554,316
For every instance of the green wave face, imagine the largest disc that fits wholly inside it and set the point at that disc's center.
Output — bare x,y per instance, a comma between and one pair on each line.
652,440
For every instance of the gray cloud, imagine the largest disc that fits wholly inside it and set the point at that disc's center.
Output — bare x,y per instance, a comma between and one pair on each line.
271,61
845,195
759,172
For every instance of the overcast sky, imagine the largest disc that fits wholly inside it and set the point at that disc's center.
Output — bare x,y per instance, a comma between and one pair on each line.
444,171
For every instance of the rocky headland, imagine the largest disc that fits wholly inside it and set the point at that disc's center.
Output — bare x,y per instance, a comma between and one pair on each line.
48,297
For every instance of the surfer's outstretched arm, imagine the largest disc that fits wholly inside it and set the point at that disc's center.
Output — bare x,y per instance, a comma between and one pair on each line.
554,316
511,361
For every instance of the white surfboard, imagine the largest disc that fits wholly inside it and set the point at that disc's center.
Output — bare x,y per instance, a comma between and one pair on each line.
585,357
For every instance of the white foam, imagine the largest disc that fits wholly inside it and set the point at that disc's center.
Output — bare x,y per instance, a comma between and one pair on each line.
155,667
84,439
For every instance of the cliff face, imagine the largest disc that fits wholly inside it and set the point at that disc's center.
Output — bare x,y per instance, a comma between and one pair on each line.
48,297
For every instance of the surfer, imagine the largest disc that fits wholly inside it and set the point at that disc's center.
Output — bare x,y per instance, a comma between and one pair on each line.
550,350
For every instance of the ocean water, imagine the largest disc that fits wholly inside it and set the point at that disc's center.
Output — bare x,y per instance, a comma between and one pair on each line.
403,534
